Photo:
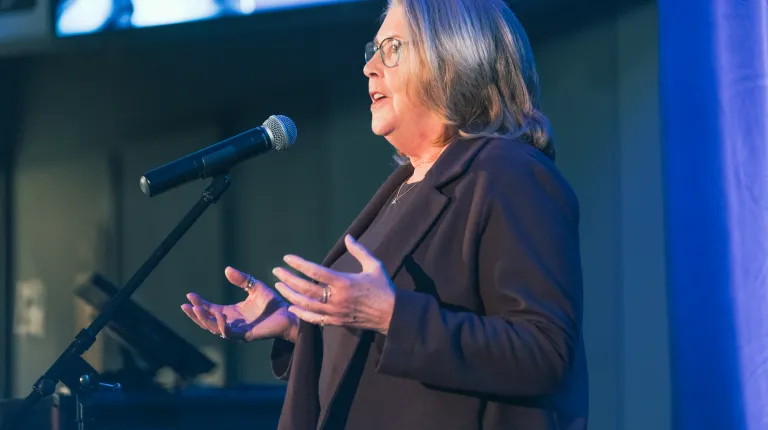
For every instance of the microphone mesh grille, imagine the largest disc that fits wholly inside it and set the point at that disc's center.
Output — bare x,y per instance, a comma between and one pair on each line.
283,131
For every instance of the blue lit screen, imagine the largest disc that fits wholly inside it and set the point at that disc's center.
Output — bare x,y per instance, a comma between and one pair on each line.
75,17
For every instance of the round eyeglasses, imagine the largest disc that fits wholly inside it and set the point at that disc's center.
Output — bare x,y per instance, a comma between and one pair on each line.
389,49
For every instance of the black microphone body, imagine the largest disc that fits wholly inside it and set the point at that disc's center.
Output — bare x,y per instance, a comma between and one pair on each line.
277,133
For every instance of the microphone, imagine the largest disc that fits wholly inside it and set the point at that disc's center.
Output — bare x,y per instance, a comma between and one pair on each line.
277,133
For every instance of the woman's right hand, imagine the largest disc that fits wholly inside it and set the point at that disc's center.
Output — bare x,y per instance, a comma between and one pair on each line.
262,315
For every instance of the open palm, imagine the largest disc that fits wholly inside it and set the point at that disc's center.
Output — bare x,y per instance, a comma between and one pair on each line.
262,315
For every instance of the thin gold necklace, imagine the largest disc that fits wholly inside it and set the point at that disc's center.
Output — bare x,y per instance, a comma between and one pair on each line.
398,195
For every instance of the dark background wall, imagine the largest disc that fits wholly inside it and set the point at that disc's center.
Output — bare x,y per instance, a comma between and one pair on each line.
600,88
97,112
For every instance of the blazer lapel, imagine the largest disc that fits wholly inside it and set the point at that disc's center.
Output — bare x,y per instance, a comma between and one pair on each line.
369,213
428,203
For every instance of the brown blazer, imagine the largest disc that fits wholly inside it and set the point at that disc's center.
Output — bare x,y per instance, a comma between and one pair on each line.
489,304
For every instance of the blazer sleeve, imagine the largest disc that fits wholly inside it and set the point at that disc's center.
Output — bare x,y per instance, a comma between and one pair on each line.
529,279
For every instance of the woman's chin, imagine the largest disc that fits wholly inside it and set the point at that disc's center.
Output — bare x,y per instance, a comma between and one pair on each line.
380,129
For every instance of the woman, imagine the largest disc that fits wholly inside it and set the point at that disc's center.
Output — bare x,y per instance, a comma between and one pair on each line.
459,305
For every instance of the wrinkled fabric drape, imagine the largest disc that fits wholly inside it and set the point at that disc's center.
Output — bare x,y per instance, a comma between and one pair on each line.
714,93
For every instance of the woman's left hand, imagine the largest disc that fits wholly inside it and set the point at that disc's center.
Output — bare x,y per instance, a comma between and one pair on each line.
362,300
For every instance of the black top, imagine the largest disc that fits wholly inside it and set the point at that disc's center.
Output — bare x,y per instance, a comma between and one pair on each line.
362,387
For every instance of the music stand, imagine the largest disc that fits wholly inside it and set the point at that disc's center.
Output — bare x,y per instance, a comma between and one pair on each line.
145,335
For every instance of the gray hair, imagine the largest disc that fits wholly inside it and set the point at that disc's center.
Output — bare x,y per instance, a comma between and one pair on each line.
472,63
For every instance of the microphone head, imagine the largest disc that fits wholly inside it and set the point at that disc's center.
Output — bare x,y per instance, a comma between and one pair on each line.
282,130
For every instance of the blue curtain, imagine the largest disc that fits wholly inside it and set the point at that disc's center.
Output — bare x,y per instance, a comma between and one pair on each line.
714,92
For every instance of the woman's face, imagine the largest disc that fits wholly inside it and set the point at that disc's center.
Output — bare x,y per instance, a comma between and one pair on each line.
396,114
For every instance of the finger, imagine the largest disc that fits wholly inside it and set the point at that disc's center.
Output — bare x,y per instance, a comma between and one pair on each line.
221,323
206,319
315,318
301,300
187,308
240,279
298,284
196,300
368,262
312,270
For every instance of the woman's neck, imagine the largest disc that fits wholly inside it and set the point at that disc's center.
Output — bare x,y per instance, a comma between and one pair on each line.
420,145
424,161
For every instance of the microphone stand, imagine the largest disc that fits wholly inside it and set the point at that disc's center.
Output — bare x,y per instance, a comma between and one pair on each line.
74,371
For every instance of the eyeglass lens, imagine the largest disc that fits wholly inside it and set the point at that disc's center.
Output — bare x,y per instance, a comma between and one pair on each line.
389,51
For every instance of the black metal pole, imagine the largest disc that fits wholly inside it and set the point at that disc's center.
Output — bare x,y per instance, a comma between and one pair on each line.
7,288
11,82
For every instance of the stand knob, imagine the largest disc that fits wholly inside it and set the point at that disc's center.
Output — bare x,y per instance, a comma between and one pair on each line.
85,381
45,387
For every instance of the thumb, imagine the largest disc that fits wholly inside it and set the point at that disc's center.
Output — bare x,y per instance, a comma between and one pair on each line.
240,279
368,261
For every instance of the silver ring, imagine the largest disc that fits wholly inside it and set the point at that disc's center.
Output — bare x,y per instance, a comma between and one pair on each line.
325,295
250,283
